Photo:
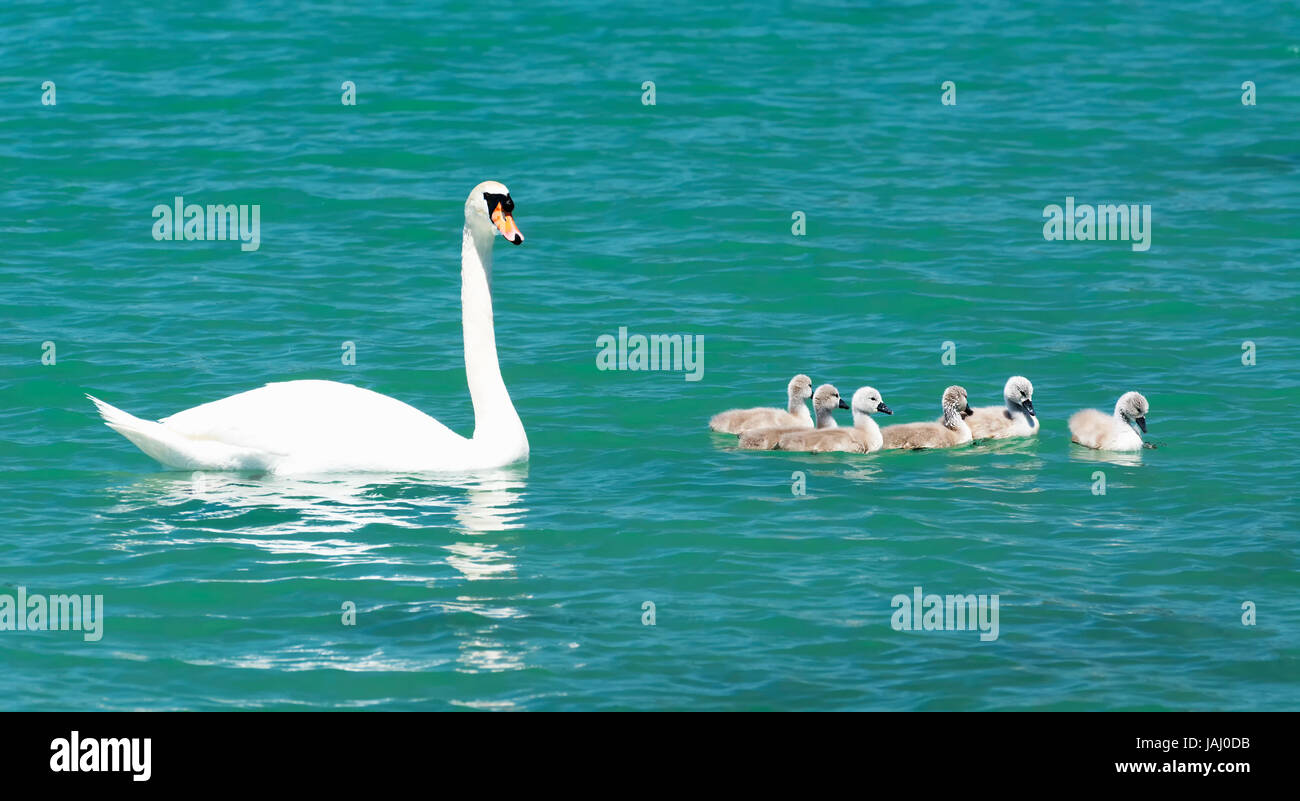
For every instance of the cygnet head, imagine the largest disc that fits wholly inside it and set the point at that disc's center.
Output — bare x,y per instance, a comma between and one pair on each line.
489,206
955,406
827,398
800,387
868,401
1019,393
1133,408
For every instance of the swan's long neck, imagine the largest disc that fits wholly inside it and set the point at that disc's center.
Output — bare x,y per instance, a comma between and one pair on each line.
799,409
1014,408
795,404
870,427
952,419
495,418
826,418
1124,422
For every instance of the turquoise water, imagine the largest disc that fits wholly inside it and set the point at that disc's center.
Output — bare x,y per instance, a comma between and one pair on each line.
523,588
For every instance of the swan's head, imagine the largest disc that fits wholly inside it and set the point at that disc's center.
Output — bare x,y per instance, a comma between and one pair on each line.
827,398
800,388
489,206
1019,392
955,405
867,400
1133,408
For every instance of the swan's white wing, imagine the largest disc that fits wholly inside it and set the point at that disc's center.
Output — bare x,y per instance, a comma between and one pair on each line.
322,425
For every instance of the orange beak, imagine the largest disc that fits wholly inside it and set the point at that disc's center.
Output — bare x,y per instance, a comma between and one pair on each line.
506,225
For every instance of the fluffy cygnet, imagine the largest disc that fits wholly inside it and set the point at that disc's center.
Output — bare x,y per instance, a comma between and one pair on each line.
949,432
1093,428
1015,419
795,414
863,437
825,401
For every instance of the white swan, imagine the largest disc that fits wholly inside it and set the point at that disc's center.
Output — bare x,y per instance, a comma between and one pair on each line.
328,427
738,421
1016,419
1095,429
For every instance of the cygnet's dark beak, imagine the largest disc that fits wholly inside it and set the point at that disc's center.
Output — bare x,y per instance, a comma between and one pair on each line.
883,409
1142,424
1028,405
844,404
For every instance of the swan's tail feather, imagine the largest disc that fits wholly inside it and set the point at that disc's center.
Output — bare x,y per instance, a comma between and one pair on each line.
176,450
154,439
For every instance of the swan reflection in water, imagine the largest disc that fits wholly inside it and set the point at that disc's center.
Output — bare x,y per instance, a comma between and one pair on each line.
1078,453
968,465
336,504
394,526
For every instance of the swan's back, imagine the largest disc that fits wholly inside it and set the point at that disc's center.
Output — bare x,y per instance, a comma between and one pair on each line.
763,439
738,421
1092,428
995,422
321,424
850,440
915,436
